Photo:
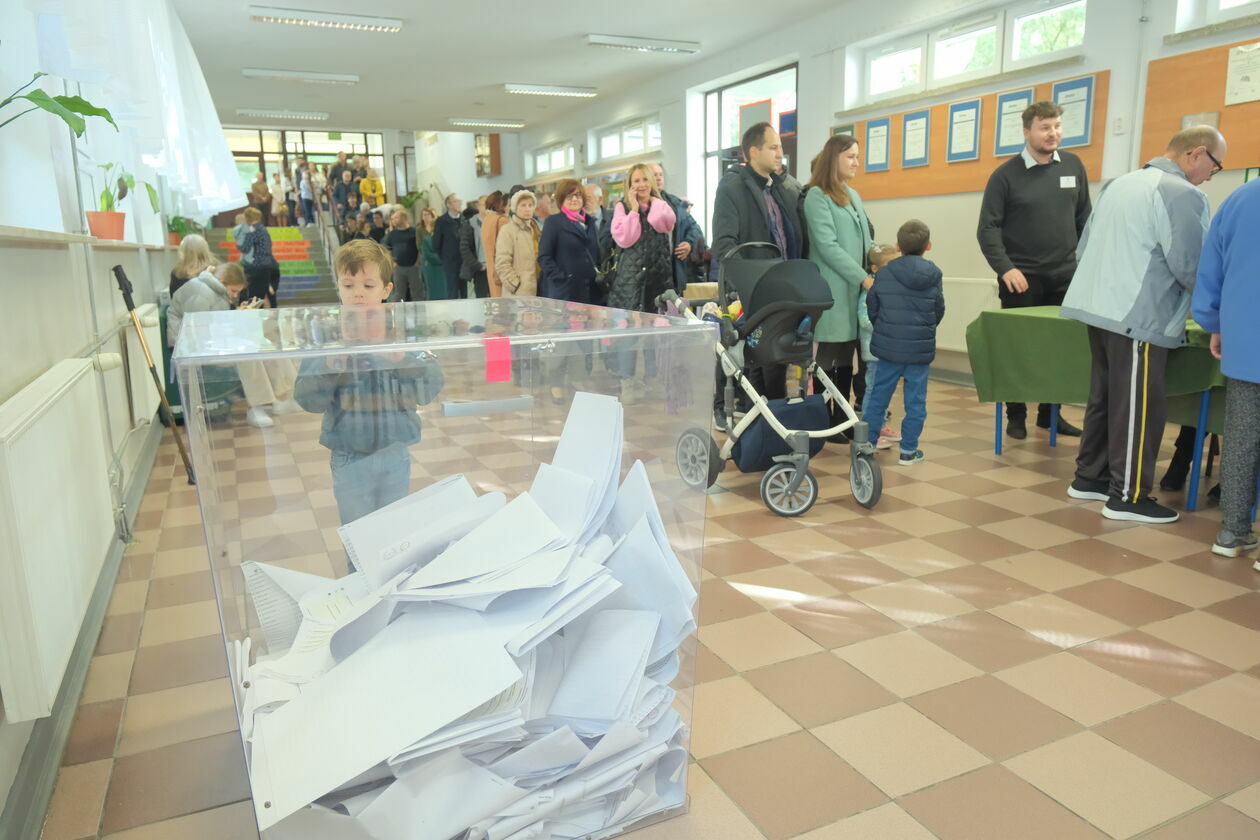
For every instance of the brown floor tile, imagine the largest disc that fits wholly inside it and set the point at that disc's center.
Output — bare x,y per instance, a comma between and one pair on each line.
850,570
182,536
75,809
818,689
755,524
1216,821
981,586
231,822
158,785
1244,610
94,732
1152,662
1215,758
993,717
1127,604
119,633
974,512
792,784
719,601
1101,557
1228,569
1082,519
709,666
738,556
970,486
863,533
975,545
837,621
986,641
180,589
972,463
163,718
994,804
135,567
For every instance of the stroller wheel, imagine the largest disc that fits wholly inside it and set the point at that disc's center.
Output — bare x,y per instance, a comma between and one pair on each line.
775,493
699,460
866,480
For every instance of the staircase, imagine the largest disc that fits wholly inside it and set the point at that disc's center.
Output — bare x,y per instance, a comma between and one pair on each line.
305,276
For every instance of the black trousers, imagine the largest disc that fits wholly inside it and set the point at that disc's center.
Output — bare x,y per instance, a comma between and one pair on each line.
1042,291
1124,418
481,284
458,285
836,360
263,282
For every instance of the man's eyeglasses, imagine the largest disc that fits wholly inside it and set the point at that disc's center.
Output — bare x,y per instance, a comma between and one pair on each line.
1216,164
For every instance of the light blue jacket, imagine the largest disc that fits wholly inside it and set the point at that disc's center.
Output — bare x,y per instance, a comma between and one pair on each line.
1227,295
1138,256
839,241
865,328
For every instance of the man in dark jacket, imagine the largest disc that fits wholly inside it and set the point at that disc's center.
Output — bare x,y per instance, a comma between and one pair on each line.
687,233
472,251
905,305
446,243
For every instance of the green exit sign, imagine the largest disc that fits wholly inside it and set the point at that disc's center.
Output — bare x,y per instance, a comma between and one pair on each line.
334,135
1253,172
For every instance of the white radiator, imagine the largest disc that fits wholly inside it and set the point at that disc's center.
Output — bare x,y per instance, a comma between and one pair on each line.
144,399
56,525
965,299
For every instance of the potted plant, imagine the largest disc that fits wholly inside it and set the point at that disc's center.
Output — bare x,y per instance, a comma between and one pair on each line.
107,223
178,227
71,109
409,200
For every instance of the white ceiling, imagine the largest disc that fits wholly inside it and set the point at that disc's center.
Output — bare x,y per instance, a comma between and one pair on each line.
451,60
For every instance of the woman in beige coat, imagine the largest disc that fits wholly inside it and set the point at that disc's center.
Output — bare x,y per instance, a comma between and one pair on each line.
496,217
516,250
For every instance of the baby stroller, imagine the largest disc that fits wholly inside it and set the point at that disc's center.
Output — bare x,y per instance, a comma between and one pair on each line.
782,302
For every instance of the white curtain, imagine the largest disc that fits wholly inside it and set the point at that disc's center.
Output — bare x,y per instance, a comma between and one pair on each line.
133,57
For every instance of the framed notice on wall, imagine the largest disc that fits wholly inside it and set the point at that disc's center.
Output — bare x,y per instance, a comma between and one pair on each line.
1008,136
877,140
915,134
964,131
1076,98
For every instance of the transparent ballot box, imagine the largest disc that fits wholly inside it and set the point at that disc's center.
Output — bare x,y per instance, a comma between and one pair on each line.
457,574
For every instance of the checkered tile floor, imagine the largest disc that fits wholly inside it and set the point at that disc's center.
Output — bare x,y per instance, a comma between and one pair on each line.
976,658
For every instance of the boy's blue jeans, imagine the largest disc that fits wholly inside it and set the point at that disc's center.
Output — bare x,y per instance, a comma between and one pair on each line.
363,483
887,375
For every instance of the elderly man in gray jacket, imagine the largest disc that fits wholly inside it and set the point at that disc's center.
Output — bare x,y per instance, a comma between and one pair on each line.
1135,274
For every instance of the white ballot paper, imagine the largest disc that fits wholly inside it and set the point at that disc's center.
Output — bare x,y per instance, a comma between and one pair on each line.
603,667
409,681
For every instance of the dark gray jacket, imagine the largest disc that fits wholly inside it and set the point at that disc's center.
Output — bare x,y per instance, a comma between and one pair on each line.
740,214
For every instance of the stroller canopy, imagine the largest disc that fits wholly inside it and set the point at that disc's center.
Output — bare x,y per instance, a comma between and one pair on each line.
797,284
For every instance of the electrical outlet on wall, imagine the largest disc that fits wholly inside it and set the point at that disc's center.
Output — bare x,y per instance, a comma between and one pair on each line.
1118,126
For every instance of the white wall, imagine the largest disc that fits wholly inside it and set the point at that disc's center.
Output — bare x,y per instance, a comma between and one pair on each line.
24,144
445,163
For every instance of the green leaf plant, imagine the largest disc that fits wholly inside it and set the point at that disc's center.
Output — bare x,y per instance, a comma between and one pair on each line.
71,109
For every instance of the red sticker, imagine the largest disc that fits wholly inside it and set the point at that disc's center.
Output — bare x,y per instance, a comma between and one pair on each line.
498,358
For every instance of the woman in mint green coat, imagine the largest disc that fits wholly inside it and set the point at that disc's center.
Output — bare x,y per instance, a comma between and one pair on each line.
839,241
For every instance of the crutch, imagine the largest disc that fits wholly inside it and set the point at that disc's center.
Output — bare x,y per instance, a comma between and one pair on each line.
124,286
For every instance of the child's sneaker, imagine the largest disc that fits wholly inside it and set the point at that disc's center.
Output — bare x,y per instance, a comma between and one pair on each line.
289,406
1229,544
258,418
883,443
908,458
887,433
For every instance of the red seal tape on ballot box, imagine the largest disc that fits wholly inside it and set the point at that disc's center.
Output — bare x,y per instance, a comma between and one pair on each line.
498,358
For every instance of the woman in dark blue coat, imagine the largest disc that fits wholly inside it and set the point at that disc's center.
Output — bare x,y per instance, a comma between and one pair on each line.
568,250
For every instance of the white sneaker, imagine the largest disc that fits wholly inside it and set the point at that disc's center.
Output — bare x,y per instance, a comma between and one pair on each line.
289,406
257,417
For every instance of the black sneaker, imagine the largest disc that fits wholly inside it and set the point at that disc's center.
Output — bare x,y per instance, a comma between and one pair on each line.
1146,510
1094,491
1065,428
907,459
1016,430
1214,495
719,419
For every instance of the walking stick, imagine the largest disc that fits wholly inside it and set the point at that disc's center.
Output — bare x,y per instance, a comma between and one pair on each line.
124,286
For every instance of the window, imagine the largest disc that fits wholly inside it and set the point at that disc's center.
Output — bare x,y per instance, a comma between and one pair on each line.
966,51
1041,32
610,144
895,69
1193,14
555,158
633,137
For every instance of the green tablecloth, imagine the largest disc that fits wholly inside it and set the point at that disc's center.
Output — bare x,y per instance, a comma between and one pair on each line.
1034,355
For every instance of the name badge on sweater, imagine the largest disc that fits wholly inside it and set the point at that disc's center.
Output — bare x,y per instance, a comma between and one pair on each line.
1067,182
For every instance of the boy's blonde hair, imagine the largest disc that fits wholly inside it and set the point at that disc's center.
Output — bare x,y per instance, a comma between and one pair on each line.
252,215
230,274
194,256
355,254
881,255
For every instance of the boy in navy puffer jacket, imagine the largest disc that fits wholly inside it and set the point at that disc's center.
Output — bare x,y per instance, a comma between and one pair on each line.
905,305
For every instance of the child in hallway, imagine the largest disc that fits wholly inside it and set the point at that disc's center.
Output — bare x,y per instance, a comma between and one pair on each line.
369,401
878,257
905,304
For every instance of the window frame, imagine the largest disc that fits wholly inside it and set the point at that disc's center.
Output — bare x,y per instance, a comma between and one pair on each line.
533,170
596,138
966,27
919,41
1013,16
1214,14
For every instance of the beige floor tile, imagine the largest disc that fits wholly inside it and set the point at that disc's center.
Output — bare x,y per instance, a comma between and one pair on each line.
1043,571
1217,821
918,522
1112,788
1182,584
713,816
1058,621
1154,542
916,557
180,561
756,640
906,663
1023,502
108,677
1233,701
838,621
912,602
800,545
128,598
1205,634
781,586
161,718
231,822
899,749
180,516
986,641
1247,800
75,809
924,494
1013,477
1152,662
255,527
887,822
1032,532
1079,689
174,624
730,713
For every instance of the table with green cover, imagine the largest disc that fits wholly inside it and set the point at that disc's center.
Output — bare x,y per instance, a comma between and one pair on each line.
1036,355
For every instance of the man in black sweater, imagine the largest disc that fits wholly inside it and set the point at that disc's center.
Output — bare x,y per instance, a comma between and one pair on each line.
1034,209
446,243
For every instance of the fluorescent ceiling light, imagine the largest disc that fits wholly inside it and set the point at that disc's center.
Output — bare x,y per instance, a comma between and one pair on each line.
651,45
328,20
301,76
477,122
281,114
550,90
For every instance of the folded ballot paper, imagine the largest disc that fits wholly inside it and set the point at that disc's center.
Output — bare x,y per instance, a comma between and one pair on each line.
495,668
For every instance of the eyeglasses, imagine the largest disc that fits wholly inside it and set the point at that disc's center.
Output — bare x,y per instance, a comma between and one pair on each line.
1217,166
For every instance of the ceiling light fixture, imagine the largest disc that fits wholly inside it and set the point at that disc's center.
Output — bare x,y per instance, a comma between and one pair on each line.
328,20
475,122
648,45
301,76
550,90
281,114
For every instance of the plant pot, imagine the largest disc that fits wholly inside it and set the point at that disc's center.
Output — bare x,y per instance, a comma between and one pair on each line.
173,238
106,225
